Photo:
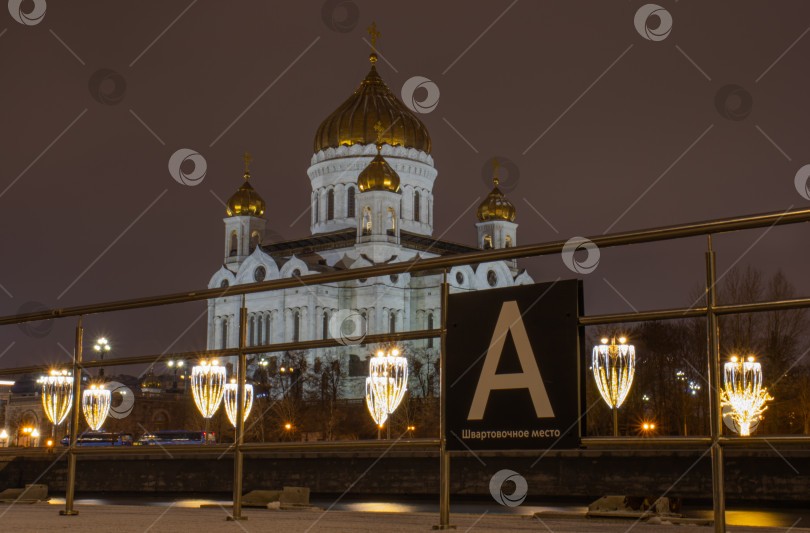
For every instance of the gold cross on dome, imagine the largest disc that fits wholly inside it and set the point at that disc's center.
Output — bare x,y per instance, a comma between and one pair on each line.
374,34
247,159
378,127
495,166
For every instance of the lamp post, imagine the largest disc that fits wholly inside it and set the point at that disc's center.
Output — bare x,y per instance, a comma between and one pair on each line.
744,393
57,397
176,365
386,385
96,405
102,346
208,387
613,368
229,397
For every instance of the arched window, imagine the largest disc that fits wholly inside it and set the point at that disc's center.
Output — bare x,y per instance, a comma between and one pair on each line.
392,324
430,326
350,203
251,330
259,328
356,367
234,244
416,205
315,202
508,241
488,242
325,325
392,222
267,330
296,326
255,240
366,221
330,204
224,333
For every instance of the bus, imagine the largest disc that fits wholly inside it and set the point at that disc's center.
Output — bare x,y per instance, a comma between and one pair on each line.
100,438
172,437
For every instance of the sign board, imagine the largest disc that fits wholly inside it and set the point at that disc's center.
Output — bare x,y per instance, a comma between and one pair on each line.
514,356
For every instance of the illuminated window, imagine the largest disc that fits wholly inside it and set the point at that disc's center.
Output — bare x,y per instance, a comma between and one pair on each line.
508,241
488,242
392,222
366,221
234,244
255,239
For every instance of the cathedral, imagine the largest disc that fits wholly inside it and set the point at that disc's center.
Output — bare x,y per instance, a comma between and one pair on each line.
372,176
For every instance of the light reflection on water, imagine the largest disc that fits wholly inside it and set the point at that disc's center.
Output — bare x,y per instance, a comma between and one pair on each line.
736,517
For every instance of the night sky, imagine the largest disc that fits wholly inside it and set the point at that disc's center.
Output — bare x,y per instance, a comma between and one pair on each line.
607,131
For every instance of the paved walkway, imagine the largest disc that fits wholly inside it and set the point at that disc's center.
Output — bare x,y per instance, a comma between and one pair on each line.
143,519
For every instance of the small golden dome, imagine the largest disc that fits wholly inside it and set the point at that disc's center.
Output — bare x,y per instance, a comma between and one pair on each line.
496,206
378,175
246,201
372,102
151,381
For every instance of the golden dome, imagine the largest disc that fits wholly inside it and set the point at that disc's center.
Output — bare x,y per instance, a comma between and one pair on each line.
151,381
378,175
246,201
496,206
353,122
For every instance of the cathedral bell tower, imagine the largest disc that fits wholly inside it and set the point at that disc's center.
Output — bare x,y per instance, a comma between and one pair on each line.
245,226
496,215
379,200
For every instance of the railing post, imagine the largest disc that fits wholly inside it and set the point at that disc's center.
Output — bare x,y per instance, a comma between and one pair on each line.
716,413
74,424
444,455
238,459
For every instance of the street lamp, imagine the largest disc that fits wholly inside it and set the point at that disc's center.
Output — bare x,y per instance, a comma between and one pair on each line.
744,393
208,387
231,392
96,405
176,365
57,397
386,384
102,346
613,368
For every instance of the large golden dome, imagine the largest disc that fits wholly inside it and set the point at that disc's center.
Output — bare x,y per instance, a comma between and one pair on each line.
378,175
496,206
246,201
353,122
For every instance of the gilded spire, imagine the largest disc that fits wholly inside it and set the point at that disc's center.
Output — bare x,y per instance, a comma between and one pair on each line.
247,159
495,166
496,206
374,34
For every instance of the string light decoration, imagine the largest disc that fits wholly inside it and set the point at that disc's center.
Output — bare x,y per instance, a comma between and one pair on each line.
208,387
57,395
231,392
744,393
613,369
386,384
96,405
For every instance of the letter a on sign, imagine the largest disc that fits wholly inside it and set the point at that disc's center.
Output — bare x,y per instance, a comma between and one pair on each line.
510,321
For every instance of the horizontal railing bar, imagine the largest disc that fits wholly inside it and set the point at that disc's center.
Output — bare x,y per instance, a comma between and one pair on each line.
641,316
757,307
646,441
768,442
435,263
212,354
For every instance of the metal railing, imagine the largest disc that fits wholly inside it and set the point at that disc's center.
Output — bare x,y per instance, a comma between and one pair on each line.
711,311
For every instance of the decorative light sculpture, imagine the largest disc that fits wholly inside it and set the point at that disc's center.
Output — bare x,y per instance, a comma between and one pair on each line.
231,392
377,409
386,384
96,405
57,395
613,369
743,392
208,386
